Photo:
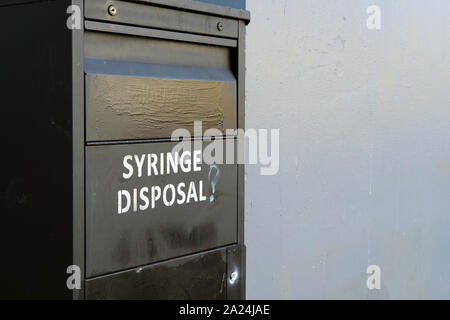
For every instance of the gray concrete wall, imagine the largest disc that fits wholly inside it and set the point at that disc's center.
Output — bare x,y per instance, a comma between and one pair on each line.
365,149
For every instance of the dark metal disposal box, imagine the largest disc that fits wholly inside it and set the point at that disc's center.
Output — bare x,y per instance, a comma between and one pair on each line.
87,119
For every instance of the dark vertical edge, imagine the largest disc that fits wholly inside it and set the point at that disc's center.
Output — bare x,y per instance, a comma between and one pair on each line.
243,260
78,151
241,167
241,125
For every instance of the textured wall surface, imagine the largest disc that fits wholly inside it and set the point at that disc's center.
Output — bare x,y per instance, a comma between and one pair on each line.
365,149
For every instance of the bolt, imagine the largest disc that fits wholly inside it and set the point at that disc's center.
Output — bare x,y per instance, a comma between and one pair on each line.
112,10
220,26
233,277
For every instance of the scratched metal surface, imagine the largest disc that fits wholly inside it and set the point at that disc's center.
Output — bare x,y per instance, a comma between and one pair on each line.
115,242
202,276
365,158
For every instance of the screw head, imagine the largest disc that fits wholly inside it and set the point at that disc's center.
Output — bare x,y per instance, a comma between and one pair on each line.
112,10
220,26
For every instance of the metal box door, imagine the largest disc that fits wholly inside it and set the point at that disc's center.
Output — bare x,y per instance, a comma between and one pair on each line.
150,70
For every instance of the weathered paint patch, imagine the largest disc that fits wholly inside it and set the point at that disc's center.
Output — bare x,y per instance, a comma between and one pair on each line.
123,107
